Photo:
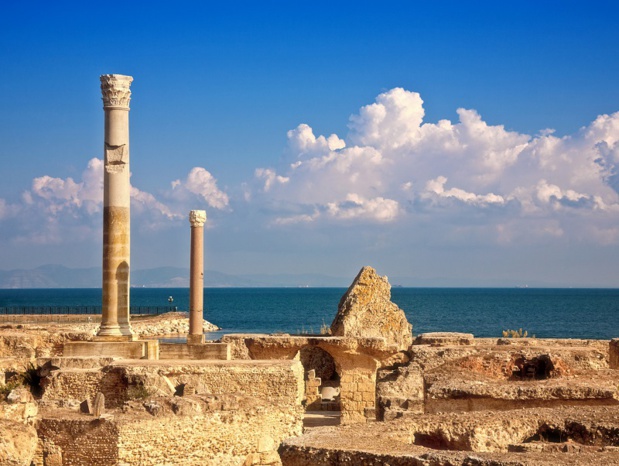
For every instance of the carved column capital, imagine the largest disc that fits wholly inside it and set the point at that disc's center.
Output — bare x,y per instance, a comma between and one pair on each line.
115,90
197,218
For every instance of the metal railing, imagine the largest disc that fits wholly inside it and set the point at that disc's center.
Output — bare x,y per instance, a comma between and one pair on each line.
78,310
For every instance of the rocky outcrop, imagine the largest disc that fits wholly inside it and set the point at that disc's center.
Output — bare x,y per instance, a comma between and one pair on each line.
366,311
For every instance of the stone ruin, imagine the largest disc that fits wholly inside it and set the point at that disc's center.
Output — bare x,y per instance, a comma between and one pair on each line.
340,368
442,398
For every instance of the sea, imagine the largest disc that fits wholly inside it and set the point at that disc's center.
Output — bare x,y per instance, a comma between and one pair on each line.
484,312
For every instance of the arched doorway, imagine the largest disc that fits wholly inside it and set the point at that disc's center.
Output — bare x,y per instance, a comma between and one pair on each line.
322,382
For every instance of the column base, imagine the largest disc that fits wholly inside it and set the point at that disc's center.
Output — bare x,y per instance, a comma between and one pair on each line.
195,339
131,337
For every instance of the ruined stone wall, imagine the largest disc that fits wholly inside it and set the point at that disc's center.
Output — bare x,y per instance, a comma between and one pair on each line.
203,351
238,408
68,442
224,438
77,385
221,438
270,380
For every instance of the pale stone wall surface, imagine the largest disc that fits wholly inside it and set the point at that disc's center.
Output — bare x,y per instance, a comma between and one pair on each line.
282,380
196,351
399,391
222,438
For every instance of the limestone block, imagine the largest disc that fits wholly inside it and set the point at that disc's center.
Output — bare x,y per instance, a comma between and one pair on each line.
167,383
366,311
86,406
98,407
265,444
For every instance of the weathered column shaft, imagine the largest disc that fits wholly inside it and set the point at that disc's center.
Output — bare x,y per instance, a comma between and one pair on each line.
116,207
197,218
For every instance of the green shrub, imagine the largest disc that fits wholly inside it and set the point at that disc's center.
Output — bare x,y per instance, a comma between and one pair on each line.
138,392
7,388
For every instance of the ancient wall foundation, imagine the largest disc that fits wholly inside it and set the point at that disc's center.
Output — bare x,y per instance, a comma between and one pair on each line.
158,412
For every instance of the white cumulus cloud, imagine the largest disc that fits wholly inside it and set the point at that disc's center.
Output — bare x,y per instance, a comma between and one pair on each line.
202,183
392,165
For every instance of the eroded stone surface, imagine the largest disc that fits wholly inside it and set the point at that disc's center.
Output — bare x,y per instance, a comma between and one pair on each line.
18,443
399,392
483,438
366,310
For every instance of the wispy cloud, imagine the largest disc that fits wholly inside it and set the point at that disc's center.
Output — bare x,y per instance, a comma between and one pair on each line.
63,210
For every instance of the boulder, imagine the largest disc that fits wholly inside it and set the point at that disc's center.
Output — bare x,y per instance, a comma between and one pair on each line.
366,311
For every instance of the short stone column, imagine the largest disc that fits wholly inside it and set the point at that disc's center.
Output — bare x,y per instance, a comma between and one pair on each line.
116,213
357,388
613,353
197,218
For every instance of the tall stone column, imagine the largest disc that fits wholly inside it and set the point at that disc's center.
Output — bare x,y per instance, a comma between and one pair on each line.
116,214
197,218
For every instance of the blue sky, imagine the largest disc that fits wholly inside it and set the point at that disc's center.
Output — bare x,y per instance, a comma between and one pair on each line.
431,140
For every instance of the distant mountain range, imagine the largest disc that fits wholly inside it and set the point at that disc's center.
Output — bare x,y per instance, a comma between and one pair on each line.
58,276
